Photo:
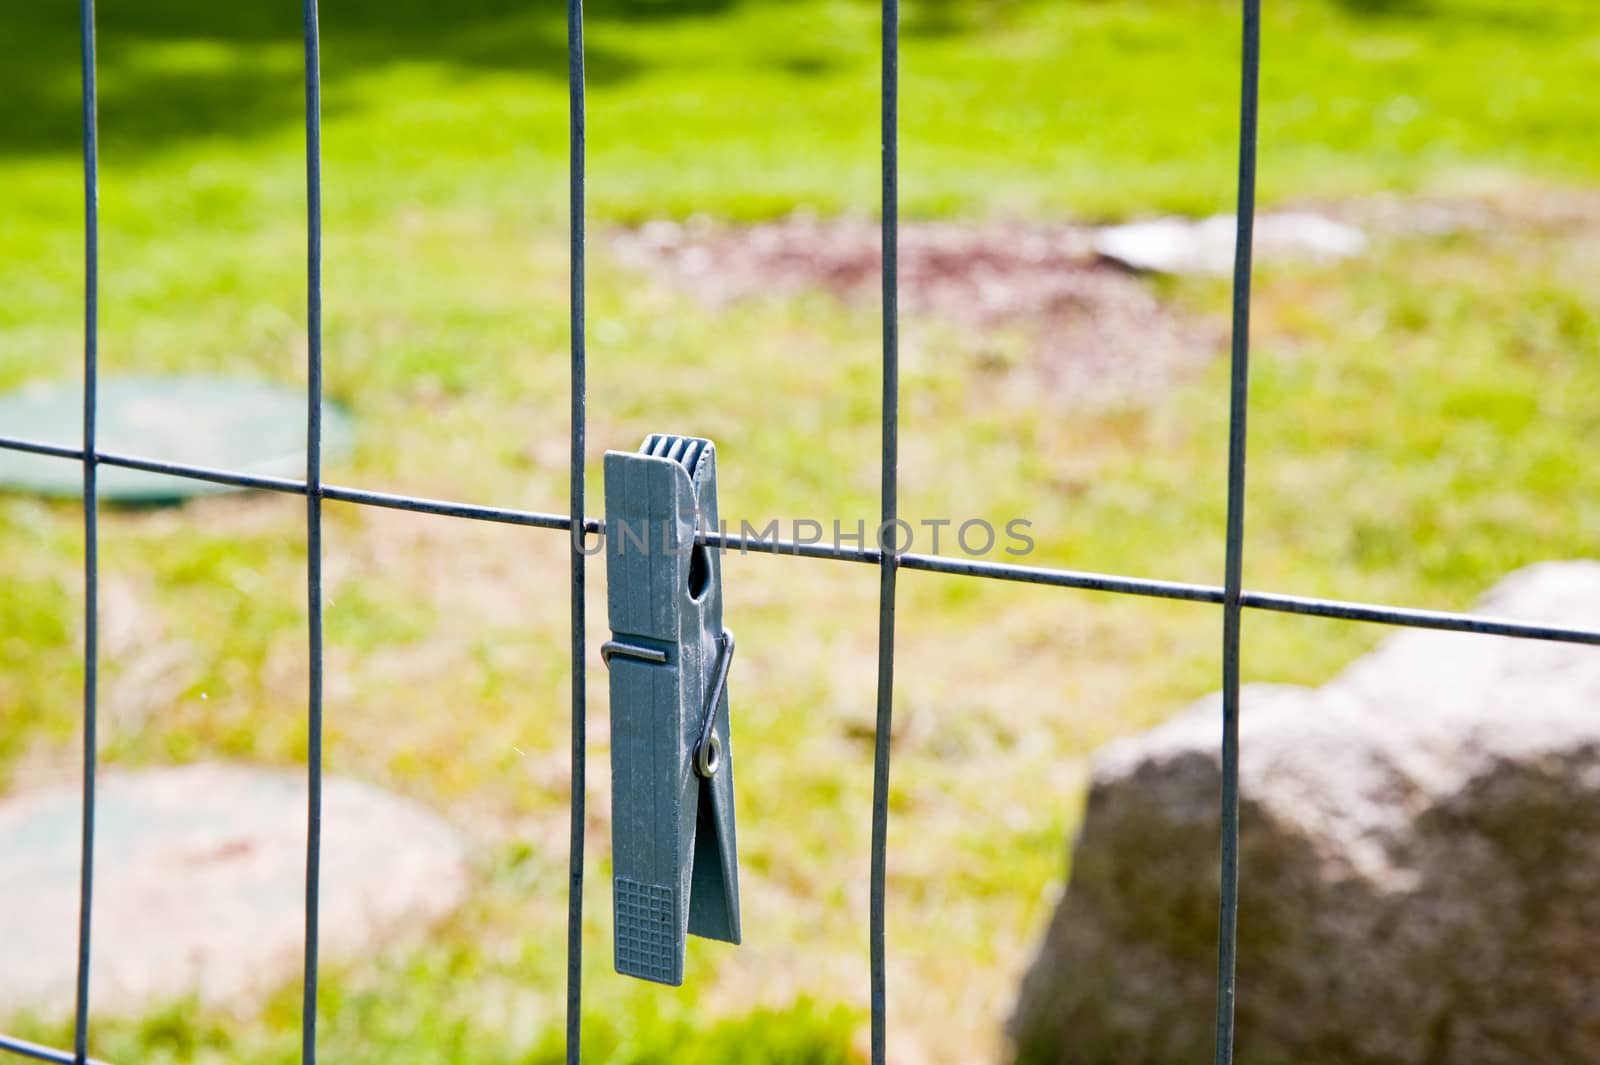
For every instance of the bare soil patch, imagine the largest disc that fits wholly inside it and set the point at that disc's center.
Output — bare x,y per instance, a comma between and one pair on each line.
1516,211
1085,326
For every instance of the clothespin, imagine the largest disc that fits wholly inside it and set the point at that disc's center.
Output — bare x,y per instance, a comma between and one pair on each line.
674,860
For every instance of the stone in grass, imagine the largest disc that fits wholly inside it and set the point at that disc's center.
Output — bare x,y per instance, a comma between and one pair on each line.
240,425
199,884
1182,246
1420,861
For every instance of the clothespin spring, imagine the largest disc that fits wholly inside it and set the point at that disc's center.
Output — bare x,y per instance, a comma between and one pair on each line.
708,752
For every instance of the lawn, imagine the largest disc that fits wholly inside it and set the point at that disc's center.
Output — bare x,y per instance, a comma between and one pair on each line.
1420,425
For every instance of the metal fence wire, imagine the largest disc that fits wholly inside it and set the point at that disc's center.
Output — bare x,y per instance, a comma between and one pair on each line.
1231,596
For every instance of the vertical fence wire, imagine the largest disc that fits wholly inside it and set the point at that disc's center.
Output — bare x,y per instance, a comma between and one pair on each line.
91,522
890,517
308,1017
575,149
1233,579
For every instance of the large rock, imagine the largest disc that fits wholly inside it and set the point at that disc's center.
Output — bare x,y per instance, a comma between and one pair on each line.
1420,865
199,881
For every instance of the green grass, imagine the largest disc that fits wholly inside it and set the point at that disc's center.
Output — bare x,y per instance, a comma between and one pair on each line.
750,108
368,1025
1419,426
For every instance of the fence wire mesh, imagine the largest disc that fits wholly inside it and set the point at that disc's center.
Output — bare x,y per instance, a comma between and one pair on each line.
1231,595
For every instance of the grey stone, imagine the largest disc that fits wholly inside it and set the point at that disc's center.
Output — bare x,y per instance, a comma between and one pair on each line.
197,419
199,881
1182,246
1420,861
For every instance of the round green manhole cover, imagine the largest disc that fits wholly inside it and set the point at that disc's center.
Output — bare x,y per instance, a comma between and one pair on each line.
223,423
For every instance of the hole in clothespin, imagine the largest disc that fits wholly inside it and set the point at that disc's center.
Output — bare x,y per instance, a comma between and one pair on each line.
699,572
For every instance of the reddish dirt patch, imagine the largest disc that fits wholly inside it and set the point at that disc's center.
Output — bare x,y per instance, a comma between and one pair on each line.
1087,326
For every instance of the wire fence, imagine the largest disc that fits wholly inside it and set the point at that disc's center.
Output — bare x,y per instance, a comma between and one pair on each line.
1231,595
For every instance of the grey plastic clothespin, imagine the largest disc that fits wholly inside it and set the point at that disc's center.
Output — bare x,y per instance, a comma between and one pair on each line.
675,867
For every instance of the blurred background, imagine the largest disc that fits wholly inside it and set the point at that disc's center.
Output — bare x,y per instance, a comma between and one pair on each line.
1423,417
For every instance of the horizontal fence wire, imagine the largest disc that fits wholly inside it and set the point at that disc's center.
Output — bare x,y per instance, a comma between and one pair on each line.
733,543
39,1052
1231,596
